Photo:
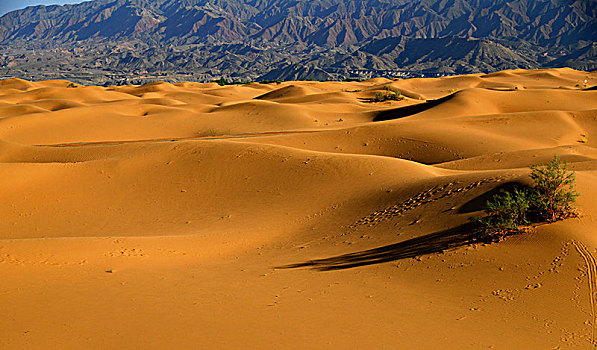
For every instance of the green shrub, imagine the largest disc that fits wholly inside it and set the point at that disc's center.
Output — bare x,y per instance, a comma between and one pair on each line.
224,82
551,198
277,81
389,95
506,213
554,189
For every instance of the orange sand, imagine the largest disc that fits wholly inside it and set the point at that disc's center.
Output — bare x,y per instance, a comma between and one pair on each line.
156,216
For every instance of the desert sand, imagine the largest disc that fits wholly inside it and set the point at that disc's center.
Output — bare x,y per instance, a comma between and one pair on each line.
292,216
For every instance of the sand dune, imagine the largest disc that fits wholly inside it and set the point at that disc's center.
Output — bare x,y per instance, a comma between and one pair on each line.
292,215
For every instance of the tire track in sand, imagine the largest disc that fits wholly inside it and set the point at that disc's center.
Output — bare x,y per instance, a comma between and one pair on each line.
591,264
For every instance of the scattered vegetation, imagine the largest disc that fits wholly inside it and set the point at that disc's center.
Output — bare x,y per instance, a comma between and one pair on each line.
71,86
389,95
349,80
224,82
453,90
550,199
583,138
277,81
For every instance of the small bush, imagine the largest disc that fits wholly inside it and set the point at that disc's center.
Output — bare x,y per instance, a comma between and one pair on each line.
554,190
277,81
551,198
506,213
583,138
224,82
389,95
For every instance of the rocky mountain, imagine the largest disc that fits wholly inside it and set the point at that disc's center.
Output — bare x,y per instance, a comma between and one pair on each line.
110,40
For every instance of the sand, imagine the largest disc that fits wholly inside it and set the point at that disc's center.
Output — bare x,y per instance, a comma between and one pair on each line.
292,216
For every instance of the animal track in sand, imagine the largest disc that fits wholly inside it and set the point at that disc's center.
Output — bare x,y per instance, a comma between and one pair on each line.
126,252
171,252
425,197
557,261
505,294
13,260
137,252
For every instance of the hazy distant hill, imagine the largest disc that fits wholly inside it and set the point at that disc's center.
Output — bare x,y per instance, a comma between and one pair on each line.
317,39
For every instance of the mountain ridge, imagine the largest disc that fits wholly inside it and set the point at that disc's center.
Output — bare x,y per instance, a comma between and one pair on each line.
110,39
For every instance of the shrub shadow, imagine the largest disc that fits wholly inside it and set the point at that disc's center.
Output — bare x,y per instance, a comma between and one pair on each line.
478,203
432,243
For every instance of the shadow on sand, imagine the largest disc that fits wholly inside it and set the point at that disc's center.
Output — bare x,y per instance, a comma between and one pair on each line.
407,111
428,244
479,203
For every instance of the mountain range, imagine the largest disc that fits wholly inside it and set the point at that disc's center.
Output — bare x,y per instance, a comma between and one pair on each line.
110,41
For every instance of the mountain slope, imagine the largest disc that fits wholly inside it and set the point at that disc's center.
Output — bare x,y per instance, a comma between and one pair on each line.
280,34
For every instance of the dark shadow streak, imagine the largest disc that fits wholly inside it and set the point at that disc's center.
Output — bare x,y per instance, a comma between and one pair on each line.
409,110
432,243
478,203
